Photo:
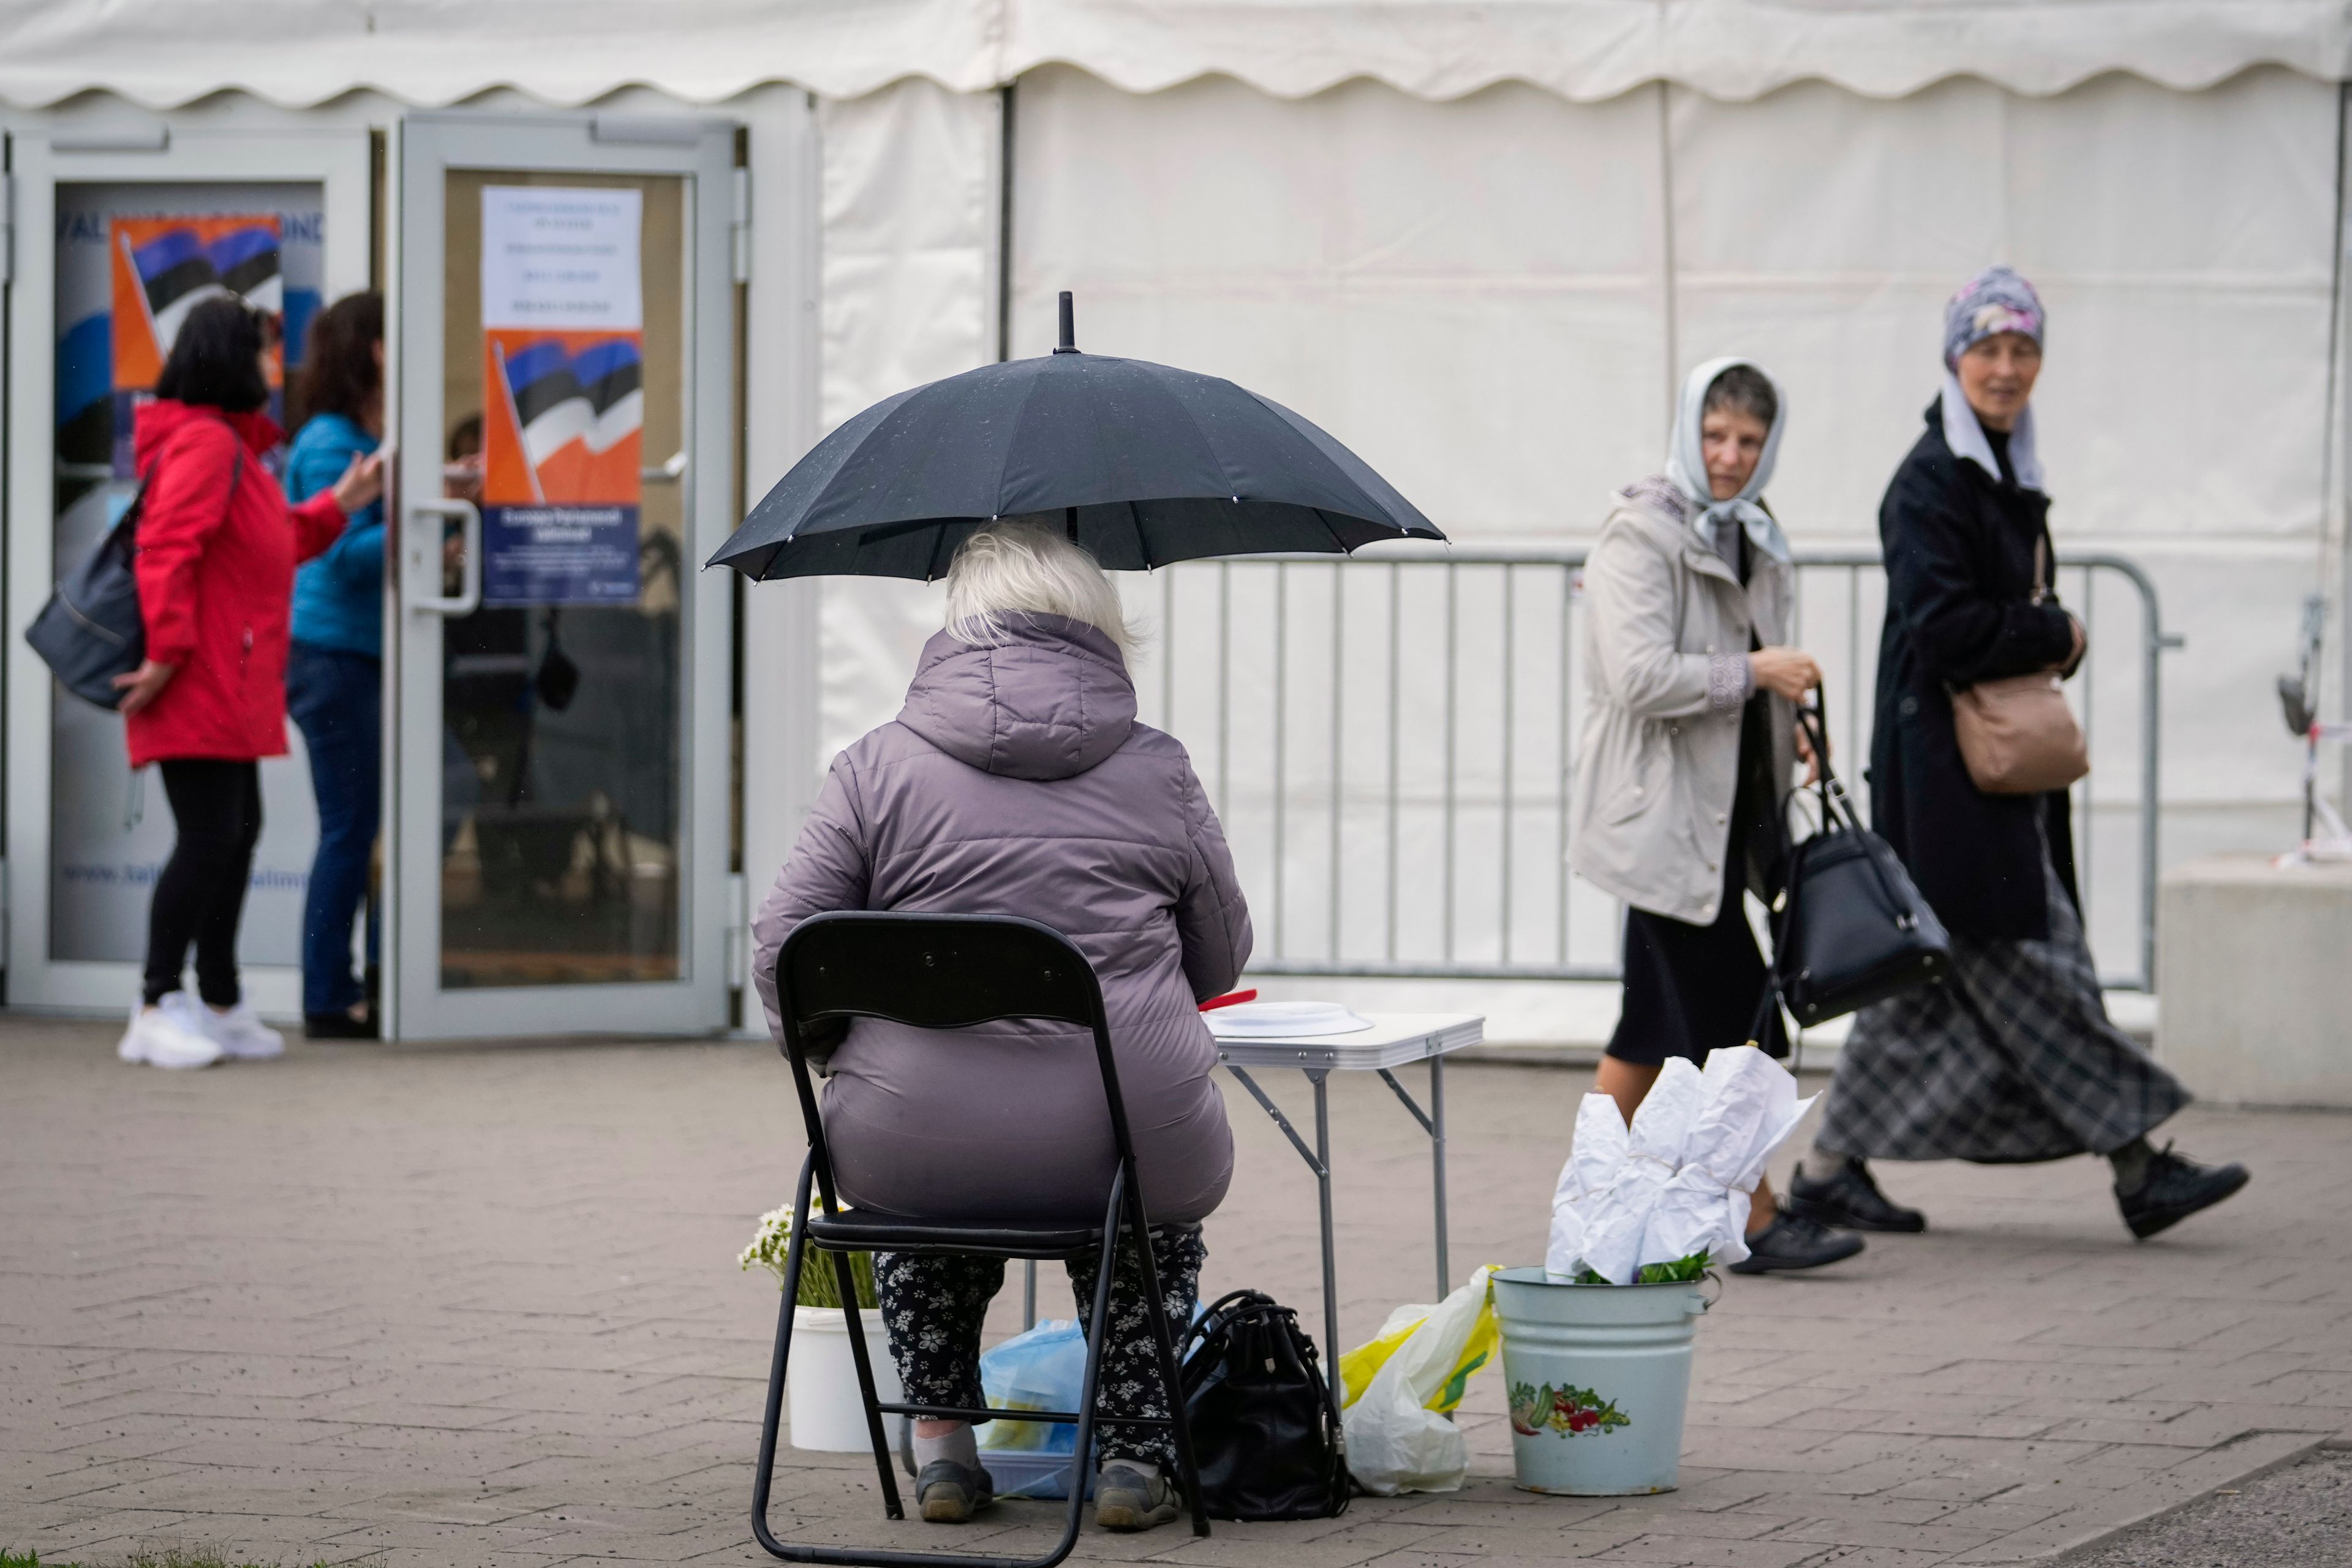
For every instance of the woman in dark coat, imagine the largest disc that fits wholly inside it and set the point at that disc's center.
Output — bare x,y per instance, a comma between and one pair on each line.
2013,1058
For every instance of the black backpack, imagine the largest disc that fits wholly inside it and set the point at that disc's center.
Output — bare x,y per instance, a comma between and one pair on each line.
90,631
1264,1435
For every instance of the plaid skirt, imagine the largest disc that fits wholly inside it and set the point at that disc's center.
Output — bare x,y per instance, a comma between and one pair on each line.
2011,1058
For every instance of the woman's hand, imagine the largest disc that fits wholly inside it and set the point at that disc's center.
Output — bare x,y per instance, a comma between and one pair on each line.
144,685
1805,756
1784,671
360,483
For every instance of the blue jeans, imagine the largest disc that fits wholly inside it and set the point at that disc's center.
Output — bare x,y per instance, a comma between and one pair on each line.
337,701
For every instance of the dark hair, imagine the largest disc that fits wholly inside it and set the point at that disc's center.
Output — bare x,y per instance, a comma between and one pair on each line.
1743,389
216,358
339,368
465,437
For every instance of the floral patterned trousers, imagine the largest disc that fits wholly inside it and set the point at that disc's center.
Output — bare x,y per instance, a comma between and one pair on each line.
933,1304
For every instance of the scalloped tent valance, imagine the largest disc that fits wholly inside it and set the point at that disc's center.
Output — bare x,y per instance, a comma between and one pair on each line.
166,52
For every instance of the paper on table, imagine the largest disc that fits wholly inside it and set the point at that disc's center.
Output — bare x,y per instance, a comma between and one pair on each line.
1283,1020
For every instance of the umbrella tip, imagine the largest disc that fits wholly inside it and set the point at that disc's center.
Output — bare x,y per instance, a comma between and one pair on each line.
1069,344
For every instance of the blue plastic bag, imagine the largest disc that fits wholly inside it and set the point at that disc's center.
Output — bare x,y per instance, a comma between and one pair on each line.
1043,1369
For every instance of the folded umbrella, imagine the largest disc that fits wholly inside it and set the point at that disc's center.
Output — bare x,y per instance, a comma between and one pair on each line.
1142,463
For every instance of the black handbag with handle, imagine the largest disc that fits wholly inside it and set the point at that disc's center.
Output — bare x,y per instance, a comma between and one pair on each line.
1850,929
1264,1437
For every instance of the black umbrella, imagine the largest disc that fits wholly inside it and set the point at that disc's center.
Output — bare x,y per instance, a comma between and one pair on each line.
1144,465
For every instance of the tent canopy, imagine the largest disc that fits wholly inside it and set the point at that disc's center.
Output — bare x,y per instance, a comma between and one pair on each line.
161,53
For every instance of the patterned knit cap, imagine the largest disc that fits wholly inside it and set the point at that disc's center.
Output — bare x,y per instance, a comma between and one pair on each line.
1995,300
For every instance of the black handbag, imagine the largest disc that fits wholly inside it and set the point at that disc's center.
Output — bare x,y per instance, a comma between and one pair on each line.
1266,1441
1850,929
91,631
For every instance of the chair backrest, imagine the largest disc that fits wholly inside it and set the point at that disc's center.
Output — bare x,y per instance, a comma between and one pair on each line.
933,971
936,971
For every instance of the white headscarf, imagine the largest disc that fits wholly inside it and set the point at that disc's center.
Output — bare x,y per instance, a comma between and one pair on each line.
1964,434
1686,464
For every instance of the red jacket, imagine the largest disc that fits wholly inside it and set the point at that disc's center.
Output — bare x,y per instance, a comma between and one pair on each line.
216,583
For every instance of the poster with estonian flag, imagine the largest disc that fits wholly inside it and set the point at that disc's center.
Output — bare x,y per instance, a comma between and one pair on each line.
163,267
563,377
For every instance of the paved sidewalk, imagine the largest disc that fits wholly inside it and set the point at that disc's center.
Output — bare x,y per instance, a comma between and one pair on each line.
479,1305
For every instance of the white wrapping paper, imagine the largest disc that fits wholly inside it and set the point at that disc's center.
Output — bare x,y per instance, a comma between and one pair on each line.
1678,1181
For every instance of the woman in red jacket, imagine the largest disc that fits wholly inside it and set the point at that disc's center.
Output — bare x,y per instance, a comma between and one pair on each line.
216,550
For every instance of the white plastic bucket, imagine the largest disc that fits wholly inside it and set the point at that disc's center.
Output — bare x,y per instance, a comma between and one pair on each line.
821,1383
1597,1377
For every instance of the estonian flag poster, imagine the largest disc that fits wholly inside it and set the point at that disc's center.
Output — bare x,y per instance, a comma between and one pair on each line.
562,371
164,268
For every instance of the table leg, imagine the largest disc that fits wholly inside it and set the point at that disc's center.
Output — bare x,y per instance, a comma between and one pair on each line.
1317,1076
1437,1167
1029,1292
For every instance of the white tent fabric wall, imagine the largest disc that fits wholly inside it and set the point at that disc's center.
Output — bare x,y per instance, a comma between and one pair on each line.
910,220
1476,296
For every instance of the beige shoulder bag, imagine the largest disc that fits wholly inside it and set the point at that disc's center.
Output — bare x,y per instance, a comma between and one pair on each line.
2017,735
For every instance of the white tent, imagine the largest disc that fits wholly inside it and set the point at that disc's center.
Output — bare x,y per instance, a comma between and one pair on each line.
1480,242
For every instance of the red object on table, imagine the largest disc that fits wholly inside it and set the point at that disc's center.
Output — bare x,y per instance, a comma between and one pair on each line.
1229,999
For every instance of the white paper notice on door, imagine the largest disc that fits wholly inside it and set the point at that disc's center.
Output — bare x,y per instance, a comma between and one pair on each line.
563,372
562,257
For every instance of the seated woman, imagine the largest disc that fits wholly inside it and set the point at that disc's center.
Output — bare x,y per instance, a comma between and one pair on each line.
1016,781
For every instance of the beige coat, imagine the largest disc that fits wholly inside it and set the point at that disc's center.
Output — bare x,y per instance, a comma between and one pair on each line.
1667,630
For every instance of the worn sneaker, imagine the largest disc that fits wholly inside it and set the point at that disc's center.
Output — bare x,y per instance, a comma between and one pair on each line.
1849,1199
1793,1241
950,1493
240,1033
1127,1497
2174,1188
168,1036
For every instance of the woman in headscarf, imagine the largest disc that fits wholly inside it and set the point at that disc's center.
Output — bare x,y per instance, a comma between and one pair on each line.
2012,1058
1689,746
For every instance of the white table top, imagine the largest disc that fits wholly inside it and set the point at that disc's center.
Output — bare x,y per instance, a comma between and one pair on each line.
1393,1039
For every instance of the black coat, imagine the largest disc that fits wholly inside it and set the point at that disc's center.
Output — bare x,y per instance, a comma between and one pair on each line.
1960,548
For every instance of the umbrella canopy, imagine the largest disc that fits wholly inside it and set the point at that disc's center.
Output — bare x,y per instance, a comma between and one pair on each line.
1144,464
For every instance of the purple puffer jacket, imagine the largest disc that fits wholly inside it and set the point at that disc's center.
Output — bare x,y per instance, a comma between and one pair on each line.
1016,781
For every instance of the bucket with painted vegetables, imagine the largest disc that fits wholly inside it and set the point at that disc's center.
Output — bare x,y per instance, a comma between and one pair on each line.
1598,1378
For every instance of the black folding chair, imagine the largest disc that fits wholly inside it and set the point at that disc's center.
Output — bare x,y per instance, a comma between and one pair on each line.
953,971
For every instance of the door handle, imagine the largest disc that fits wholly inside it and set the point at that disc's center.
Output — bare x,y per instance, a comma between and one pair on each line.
424,547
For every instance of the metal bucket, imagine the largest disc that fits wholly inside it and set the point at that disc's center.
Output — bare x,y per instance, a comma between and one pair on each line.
1597,1377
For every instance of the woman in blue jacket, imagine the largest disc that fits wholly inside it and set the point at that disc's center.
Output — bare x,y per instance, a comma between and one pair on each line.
335,672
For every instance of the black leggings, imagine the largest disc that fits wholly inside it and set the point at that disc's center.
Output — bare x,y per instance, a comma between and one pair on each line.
217,807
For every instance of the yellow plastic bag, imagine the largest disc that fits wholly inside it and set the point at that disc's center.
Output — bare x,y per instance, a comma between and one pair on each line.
1400,1388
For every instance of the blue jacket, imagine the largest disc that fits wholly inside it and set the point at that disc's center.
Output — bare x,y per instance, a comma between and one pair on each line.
338,597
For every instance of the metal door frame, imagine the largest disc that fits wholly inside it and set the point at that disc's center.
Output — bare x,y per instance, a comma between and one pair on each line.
426,146
41,155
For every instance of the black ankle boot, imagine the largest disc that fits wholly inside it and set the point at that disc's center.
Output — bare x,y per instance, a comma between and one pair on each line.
2173,1188
1849,1199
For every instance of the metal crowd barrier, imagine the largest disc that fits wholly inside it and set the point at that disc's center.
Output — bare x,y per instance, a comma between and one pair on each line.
1390,741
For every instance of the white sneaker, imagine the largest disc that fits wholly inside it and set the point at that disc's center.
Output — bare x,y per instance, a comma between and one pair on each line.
240,1034
166,1035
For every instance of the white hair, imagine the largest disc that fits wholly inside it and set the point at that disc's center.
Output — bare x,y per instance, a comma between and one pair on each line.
1007,568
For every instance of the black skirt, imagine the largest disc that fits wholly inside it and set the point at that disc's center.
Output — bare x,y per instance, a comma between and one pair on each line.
1691,989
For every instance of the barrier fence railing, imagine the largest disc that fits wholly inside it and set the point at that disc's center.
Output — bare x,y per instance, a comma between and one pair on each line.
1391,742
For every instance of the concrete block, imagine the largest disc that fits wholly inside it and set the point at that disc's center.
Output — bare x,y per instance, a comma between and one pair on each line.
2254,967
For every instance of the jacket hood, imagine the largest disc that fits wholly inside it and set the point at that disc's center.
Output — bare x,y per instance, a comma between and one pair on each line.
1047,701
158,421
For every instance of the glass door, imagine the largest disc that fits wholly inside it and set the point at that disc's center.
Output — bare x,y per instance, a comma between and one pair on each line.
118,228
565,417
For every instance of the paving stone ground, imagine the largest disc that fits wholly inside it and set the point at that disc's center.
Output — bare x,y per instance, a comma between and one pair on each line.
478,1305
